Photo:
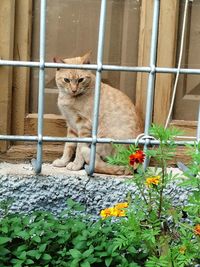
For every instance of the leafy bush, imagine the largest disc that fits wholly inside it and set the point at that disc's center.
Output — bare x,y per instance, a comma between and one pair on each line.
168,239
71,240
146,231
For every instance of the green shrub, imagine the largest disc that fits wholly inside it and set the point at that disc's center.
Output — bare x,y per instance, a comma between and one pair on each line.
42,239
140,235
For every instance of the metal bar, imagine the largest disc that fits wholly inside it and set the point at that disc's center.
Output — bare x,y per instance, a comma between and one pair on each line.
151,80
86,140
15,63
175,70
90,168
38,162
198,126
73,66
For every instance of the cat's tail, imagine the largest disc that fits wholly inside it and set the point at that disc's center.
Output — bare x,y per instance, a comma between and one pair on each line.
103,167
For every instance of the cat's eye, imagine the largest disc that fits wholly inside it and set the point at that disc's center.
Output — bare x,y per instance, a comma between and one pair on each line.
67,80
80,80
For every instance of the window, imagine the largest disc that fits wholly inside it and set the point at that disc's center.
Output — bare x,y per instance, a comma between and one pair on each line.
72,29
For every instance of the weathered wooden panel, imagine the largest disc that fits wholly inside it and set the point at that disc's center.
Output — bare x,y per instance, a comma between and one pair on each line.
7,15
166,57
22,42
54,125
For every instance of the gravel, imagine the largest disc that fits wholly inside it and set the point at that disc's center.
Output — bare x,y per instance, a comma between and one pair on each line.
50,190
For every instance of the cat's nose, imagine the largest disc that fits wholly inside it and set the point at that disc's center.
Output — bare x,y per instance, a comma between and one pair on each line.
74,88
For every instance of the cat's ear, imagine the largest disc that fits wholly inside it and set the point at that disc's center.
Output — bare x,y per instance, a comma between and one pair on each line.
58,60
86,58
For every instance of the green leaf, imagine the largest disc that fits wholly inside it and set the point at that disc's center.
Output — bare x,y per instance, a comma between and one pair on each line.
4,251
37,239
108,261
42,247
133,264
73,205
46,257
4,229
88,252
23,234
85,264
75,253
22,256
21,248
4,240
74,263
17,263
132,250
29,262
34,253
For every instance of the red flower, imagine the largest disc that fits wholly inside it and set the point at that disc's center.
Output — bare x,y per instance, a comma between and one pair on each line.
137,157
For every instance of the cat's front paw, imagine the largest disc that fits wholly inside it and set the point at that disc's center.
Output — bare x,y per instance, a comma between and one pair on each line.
60,163
72,166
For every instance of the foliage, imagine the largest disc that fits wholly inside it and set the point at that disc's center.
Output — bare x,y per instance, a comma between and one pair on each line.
146,231
41,239
153,222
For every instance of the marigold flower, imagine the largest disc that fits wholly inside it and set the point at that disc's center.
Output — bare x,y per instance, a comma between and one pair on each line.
137,157
182,249
116,211
152,180
121,213
197,229
121,205
105,213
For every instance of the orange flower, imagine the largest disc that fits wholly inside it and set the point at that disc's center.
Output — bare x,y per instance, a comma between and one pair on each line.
116,211
121,205
121,213
105,213
137,157
197,229
152,180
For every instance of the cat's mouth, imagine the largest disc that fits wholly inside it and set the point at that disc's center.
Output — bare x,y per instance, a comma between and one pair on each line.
76,92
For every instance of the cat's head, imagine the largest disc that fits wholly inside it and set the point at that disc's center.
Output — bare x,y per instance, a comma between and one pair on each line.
73,81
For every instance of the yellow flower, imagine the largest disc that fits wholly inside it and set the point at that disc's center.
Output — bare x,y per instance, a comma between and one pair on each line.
197,229
121,213
152,180
113,211
105,213
116,211
182,249
122,205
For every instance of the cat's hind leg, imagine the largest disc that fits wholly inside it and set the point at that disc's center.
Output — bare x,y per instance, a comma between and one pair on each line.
103,167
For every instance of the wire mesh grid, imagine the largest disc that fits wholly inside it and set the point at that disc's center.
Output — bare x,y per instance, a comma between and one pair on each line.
152,69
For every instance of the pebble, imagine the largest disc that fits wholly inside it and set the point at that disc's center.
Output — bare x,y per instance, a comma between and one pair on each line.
51,192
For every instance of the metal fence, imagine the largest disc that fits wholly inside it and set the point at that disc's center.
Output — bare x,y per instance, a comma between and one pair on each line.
99,67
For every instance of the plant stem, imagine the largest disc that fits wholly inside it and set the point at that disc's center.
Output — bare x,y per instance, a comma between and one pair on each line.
142,193
162,182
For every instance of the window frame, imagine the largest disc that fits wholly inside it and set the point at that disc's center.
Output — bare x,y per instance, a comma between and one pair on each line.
19,12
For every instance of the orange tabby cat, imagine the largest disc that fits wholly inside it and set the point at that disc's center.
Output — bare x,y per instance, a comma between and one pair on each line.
117,117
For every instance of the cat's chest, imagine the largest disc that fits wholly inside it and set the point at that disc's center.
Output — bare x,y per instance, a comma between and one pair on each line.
73,110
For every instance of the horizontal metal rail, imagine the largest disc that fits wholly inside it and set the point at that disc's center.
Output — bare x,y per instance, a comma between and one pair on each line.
34,138
104,67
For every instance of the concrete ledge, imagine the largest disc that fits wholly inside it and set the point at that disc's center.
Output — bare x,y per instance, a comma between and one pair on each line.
50,190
